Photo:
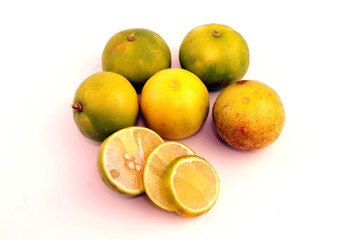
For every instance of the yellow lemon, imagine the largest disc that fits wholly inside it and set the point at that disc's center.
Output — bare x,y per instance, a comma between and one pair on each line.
216,53
137,54
104,103
248,115
174,103
122,157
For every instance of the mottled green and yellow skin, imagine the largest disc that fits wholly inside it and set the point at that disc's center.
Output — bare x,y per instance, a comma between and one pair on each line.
216,53
137,54
104,103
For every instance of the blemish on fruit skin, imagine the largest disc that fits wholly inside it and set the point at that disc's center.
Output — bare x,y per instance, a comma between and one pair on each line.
241,82
245,100
114,173
174,84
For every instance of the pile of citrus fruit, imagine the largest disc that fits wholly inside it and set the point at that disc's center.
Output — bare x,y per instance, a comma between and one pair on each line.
137,79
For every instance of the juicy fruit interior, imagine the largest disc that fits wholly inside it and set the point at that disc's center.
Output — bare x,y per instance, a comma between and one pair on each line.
192,185
122,158
156,164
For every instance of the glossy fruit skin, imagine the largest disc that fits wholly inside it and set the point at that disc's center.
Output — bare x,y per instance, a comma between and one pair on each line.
216,53
109,103
248,115
174,103
136,54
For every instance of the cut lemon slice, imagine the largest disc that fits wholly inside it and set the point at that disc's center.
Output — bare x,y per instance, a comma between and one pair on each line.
192,185
154,168
122,156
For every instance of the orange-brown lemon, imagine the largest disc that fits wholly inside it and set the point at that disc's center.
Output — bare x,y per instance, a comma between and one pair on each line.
174,103
216,53
248,115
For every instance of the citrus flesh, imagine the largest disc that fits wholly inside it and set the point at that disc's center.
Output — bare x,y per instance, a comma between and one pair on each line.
122,156
248,115
155,166
216,53
174,103
137,54
192,185
104,103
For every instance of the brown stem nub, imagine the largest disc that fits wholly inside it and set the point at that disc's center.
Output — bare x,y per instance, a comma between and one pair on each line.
216,33
77,106
131,37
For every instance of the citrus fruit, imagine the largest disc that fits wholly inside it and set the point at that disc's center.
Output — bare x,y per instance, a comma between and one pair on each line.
192,185
104,103
122,156
216,53
155,166
137,54
174,103
248,115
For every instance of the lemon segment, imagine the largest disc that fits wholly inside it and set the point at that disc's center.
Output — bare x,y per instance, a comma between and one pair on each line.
191,185
155,166
122,156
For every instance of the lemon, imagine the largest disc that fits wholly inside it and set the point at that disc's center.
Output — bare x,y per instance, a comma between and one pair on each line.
216,53
155,166
104,103
137,54
248,115
175,103
192,185
122,156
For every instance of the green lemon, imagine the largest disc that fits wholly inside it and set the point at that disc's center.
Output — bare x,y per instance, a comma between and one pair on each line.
137,54
216,53
104,103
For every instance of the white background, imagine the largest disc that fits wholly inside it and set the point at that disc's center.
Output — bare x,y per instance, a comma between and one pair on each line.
304,186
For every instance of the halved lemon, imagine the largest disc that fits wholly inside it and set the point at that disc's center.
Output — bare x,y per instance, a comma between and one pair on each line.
154,168
192,185
122,156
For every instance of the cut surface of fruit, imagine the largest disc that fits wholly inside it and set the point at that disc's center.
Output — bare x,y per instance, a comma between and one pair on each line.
192,185
154,168
122,156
